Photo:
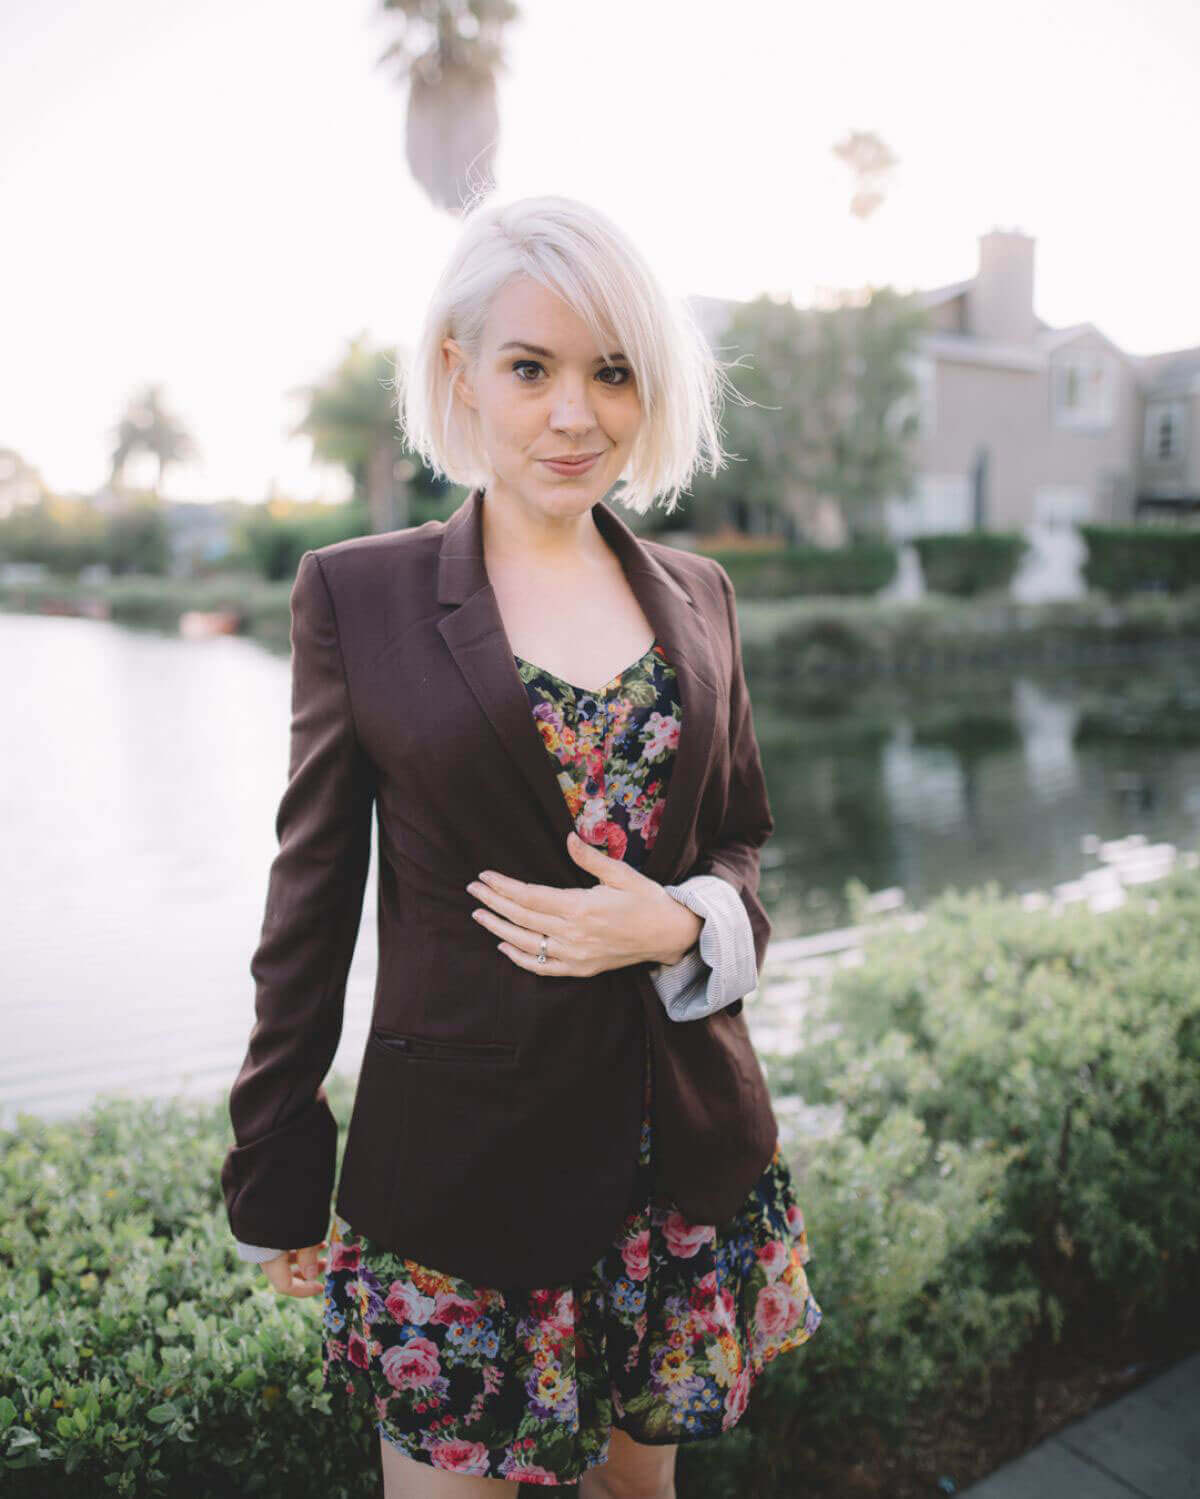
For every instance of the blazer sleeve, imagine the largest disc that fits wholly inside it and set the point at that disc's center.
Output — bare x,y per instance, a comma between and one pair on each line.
719,968
748,821
278,1176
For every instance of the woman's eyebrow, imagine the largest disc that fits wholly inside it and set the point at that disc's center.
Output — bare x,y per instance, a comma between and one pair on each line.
517,343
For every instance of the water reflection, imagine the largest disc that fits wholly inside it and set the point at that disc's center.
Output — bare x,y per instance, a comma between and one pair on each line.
958,780
142,774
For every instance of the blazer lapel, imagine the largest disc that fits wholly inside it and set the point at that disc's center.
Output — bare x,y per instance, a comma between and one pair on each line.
475,637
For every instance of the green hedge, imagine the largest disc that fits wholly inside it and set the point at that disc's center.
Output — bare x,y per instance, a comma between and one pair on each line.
791,640
1125,559
1021,1097
969,562
860,568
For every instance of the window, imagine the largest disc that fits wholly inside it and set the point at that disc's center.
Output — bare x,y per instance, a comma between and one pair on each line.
1164,431
918,402
1083,390
937,503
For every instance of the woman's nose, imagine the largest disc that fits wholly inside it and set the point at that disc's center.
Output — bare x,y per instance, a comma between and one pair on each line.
572,411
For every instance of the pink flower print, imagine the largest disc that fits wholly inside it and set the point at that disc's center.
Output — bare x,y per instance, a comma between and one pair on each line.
530,1473
458,1456
795,1220
663,734
562,1318
409,1365
454,1308
356,1351
617,840
406,1304
343,1256
712,1305
736,1397
650,823
683,1238
773,1310
774,1257
636,1254
592,822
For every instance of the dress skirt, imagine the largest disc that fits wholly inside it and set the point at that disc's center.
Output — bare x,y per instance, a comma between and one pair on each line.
664,1337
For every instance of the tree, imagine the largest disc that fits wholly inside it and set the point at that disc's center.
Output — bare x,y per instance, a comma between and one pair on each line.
351,420
871,164
450,52
146,427
837,387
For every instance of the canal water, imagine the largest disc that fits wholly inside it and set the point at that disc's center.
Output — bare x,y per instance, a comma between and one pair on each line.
142,773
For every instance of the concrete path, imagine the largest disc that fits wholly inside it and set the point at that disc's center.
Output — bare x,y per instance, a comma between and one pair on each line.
1144,1445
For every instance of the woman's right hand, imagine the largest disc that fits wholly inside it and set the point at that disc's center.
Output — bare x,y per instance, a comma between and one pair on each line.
298,1272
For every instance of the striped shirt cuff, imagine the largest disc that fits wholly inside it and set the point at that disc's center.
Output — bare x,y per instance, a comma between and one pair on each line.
254,1253
722,966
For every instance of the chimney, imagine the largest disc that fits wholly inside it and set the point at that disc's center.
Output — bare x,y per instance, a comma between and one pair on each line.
1000,299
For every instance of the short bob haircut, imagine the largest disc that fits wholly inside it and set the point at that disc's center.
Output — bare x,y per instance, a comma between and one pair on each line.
579,253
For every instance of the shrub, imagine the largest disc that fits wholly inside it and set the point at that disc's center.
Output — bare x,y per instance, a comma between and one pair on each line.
1126,559
783,572
970,562
1020,1092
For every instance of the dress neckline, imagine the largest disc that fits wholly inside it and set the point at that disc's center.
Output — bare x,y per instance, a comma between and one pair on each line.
589,691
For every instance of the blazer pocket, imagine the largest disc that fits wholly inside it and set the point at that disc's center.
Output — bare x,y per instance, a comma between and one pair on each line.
439,1049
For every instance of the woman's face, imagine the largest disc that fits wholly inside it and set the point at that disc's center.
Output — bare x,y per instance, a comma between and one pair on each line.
543,392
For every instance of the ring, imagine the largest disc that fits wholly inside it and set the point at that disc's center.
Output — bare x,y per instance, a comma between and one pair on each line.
541,956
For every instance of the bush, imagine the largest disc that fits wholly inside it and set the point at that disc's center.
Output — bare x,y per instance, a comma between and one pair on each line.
1021,1119
138,1354
970,562
1021,1096
277,544
1126,559
783,572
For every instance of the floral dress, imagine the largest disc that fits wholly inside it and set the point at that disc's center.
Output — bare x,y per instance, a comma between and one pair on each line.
666,1334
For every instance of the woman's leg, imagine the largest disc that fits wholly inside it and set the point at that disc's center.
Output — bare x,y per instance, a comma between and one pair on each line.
633,1471
406,1478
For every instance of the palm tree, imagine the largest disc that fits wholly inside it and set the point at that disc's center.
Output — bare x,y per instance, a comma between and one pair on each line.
450,52
147,427
871,164
351,420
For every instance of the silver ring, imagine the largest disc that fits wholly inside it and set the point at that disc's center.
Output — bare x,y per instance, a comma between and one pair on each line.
541,955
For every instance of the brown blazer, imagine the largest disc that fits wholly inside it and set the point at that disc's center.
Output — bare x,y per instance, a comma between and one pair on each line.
496,1119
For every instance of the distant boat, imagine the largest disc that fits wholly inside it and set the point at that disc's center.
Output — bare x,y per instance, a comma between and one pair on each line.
73,607
198,624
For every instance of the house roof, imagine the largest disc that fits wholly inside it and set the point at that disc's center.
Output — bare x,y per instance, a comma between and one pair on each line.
1178,369
1174,370
966,348
938,295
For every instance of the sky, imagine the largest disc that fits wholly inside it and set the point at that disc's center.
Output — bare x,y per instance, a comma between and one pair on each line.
216,197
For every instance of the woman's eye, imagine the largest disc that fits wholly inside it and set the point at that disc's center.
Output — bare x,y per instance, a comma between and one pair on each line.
623,371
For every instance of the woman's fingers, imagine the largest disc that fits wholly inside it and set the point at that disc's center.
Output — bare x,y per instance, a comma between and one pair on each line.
299,1272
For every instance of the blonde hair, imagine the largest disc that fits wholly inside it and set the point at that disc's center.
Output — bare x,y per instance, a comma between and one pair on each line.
579,253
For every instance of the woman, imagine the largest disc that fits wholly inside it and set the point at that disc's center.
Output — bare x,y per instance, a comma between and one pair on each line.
564,1238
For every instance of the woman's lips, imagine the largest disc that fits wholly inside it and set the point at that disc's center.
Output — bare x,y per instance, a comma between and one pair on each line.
571,468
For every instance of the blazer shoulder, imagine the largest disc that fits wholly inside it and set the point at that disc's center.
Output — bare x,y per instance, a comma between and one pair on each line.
359,554
703,577
379,583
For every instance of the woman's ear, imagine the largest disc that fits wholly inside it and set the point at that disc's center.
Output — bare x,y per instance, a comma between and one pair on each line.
453,357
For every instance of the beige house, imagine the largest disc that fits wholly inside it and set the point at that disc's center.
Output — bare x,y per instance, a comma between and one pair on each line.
1022,425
